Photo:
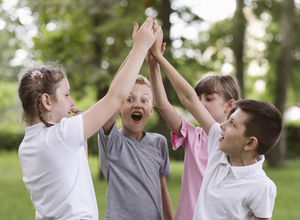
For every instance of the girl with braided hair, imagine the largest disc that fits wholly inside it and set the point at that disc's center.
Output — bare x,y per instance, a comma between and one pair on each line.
52,154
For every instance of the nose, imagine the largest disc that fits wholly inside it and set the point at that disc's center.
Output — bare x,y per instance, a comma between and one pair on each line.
222,126
137,104
72,102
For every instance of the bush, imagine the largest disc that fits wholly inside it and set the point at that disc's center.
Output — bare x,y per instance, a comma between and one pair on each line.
293,140
10,140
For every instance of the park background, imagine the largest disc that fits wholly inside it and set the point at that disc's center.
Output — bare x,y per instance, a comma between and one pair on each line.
255,41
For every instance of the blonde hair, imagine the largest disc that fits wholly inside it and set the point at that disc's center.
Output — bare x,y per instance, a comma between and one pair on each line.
144,81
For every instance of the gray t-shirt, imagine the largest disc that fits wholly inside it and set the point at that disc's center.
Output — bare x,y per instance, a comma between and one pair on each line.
132,170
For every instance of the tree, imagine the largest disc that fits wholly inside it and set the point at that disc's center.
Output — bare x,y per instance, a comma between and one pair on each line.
283,73
238,42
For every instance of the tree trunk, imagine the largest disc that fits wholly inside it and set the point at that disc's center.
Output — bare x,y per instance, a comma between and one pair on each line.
238,43
165,12
284,68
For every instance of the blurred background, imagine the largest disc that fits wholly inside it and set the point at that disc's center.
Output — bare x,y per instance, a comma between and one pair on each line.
254,40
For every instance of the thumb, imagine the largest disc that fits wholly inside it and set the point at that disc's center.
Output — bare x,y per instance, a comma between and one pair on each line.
135,28
163,48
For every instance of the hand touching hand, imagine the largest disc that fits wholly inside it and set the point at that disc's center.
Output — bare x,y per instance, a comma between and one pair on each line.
158,47
145,35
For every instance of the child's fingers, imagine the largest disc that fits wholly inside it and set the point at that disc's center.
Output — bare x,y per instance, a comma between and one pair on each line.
163,48
155,25
149,22
135,28
76,111
158,31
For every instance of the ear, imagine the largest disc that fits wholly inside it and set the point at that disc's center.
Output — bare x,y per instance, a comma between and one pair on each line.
46,102
251,144
229,105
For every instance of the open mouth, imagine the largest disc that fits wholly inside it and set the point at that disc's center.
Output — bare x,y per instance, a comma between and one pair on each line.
136,116
221,138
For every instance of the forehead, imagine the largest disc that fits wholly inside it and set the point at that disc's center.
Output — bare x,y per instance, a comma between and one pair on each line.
240,116
141,89
63,84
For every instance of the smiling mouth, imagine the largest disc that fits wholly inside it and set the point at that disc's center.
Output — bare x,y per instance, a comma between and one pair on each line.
136,116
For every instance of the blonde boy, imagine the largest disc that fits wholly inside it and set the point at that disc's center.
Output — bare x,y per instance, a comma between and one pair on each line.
135,162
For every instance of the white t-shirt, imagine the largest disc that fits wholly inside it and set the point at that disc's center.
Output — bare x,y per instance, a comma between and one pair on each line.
231,192
56,171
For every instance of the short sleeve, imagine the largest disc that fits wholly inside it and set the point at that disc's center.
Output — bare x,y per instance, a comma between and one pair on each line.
189,134
213,138
165,169
263,203
70,130
109,143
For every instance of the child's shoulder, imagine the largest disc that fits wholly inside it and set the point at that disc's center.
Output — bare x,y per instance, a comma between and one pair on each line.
153,135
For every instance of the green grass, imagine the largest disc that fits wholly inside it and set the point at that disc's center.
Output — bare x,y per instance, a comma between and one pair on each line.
15,200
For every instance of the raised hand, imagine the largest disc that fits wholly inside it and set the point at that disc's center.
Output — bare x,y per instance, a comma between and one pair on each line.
145,36
158,47
157,44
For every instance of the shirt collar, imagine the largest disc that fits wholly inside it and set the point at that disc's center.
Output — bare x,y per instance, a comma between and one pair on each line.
242,171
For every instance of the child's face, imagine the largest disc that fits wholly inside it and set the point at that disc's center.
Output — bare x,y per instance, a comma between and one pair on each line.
137,109
215,105
233,139
62,105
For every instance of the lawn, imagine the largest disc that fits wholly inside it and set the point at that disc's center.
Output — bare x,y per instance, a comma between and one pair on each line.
15,201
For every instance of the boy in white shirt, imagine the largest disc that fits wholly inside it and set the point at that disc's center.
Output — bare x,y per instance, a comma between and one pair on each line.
234,184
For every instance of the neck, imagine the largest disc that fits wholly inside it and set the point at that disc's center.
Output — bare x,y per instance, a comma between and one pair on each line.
136,135
241,161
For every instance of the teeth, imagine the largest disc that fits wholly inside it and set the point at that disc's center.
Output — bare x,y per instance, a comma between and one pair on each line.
136,116
136,113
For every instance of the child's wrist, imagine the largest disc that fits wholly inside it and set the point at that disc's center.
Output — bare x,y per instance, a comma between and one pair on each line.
140,49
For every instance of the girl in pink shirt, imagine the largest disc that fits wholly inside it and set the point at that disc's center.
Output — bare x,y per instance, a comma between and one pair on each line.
217,94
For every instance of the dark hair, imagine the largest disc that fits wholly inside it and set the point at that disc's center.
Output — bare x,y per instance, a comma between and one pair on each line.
264,123
34,83
224,85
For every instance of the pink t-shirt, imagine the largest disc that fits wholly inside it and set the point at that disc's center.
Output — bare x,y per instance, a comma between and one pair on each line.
194,141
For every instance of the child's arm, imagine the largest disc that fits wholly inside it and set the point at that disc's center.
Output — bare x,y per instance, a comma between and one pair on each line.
104,109
108,125
167,204
262,218
184,90
161,101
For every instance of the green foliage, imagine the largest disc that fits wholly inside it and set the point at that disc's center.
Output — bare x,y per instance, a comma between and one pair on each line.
10,113
10,42
91,38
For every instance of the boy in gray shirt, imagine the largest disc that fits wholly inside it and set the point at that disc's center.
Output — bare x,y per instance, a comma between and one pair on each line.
135,162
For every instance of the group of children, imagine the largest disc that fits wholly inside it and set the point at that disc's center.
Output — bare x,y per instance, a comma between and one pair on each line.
222,177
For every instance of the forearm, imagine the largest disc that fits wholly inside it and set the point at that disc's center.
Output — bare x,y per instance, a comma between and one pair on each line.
167,204
161,101
186,94
119,90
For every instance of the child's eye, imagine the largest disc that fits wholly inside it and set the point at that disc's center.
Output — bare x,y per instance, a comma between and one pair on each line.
231,123
144,101
68,95
129,100
208,99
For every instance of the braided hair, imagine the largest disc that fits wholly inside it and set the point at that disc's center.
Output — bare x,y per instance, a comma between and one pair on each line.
34,83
